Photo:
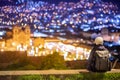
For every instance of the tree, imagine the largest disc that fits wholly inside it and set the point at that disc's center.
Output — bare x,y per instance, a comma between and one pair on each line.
53,61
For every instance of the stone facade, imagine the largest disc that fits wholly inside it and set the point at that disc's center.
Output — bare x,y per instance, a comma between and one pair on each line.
20,38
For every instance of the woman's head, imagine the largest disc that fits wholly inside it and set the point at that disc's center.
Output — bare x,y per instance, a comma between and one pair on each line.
99,40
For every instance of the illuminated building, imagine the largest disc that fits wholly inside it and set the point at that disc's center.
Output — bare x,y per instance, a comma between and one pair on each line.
20,39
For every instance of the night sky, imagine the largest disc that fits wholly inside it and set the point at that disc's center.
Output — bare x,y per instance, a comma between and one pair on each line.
117,2
57,1
4,2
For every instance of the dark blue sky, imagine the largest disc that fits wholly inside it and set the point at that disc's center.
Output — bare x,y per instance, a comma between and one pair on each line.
57,1
2,2
117,2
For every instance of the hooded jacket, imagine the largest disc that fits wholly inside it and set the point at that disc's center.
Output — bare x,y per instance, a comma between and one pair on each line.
97,46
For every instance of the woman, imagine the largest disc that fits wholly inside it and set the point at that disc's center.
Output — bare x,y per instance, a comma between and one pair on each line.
93,60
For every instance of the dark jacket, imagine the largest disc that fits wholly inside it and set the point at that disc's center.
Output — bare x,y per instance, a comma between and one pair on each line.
92,58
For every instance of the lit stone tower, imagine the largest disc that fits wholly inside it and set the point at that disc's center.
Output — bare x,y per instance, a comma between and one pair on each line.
27,34
16,32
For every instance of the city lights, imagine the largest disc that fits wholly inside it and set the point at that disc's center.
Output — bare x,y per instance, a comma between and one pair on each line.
63,21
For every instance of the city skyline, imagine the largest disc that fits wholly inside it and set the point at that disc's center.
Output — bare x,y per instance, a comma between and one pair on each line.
65,20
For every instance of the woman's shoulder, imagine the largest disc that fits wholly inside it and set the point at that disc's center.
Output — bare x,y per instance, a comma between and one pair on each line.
101,47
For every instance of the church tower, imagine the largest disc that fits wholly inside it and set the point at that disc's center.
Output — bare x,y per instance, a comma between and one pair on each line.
27,33
16,32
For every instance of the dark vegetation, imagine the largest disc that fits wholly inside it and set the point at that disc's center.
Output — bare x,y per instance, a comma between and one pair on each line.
81,76
20,61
